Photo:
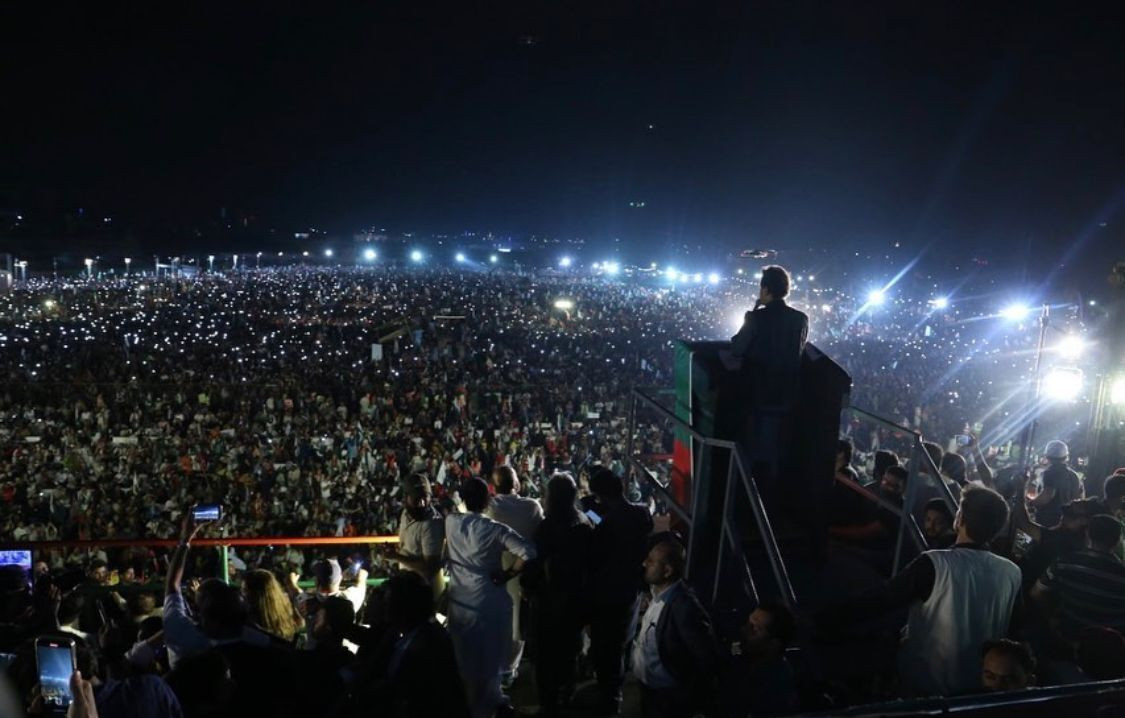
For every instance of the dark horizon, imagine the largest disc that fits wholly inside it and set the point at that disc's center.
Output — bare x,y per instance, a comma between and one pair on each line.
946,128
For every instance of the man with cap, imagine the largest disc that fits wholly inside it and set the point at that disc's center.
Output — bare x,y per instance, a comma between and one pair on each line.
329,576
421,533
1060,485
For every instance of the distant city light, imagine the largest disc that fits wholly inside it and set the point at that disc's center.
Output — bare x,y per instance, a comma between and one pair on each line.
564,304
1071,346
460,257
1062,384
328,253
940,302
564,262
369,254
713,278
493,258
416,255
1015,312
876,297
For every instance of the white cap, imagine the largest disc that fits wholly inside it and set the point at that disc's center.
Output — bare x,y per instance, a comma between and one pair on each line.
1057,450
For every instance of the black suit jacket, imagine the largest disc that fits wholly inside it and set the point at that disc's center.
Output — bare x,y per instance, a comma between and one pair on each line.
686,640
770,344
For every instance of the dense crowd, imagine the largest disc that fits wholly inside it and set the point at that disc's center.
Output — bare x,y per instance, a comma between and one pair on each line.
339,402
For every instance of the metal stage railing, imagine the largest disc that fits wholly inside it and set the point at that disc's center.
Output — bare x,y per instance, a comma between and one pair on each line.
919,457
736,461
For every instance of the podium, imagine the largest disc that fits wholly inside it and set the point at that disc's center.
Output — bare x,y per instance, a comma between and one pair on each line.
790,451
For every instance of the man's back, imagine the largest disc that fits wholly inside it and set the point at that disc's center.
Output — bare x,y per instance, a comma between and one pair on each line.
972,600
520,514
770,344
620,545
1091,589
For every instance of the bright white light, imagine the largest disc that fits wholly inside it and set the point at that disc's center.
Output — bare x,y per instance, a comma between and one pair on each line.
493,258
210,258
740,270
305,253
564,261
713,278
671,273
50,304
611,267
940,302
460,257
128,260
876,297
416,255
564,304
1117,391
1062,384
698,277
369,254
825,307
88,262
1071,346
1015,312
328,253
812,277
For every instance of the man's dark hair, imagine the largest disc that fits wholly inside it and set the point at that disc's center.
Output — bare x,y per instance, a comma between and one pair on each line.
776,281
844,446
1019,652
409,600
96,564
899,472
935,451
562,493
474,492
953,466
883,459
505,479
605,483
416,486
675,555
938,504
339,614
71,607
783,624
983,513
1104,531
222,609
1114,487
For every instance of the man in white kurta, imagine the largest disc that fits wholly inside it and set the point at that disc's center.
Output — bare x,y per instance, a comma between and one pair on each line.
480,608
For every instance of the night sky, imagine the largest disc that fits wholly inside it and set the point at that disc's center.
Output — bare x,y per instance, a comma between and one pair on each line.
947,125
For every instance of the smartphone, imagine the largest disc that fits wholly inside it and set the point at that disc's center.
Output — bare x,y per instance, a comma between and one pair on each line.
207,512
593,516
57,661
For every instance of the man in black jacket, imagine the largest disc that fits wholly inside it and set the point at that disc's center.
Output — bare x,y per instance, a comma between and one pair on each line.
675,654
771,340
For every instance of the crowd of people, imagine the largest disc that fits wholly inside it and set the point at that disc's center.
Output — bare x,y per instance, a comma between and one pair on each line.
349,403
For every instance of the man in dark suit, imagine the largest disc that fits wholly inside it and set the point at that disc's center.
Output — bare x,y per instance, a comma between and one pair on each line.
771,340
675,655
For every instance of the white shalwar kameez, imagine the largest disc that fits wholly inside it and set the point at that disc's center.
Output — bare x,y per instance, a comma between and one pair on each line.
480,612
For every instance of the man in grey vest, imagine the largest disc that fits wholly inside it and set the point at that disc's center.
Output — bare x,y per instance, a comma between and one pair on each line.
958,598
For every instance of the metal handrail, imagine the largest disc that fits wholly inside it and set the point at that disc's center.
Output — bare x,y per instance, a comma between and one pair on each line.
917,535
773,553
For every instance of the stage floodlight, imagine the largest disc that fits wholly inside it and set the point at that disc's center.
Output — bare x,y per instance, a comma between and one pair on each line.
1062,384
1117,391
940,303
564,262
369,254
460,257
416,256
1071,346
713,278
876,297
1015,312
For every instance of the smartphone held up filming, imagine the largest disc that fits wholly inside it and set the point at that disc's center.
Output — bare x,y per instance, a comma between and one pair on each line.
207,512
57,661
